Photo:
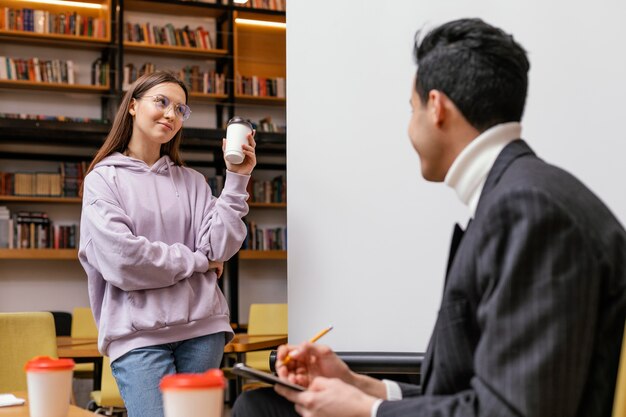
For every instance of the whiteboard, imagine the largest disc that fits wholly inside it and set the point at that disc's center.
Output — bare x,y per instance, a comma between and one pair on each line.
368,237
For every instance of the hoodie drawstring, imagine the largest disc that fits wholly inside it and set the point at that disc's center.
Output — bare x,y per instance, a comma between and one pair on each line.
173,182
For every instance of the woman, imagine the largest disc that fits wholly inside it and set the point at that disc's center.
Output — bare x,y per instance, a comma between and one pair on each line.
153,242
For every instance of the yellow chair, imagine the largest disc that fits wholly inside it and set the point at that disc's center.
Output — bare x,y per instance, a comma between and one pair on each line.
23,336
83,323
107,400
619,402
265,319
83,326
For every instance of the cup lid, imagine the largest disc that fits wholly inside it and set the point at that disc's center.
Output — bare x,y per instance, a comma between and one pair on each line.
239,120
213,378
46,363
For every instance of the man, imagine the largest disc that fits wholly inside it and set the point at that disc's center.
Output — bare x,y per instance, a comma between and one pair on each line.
534,303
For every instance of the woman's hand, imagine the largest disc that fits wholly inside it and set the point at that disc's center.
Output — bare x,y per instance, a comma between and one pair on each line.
249,160
218,266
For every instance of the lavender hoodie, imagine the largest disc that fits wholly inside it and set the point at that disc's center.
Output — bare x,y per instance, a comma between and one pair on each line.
146,236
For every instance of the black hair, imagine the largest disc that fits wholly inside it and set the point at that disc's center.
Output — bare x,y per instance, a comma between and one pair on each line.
482,69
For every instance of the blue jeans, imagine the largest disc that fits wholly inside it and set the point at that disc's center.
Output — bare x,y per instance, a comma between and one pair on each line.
139,372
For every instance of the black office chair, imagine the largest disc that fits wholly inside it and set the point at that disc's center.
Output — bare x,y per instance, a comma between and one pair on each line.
62,322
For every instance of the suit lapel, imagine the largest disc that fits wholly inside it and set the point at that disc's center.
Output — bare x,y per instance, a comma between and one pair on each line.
457,236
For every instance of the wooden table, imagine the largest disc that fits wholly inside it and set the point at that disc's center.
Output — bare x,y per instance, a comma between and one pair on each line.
243,343
86,350
23,410
82,350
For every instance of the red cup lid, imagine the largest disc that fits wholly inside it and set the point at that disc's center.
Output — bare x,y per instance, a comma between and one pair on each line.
213,378
46,363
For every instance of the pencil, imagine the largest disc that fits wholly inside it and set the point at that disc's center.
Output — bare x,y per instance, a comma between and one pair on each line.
312,340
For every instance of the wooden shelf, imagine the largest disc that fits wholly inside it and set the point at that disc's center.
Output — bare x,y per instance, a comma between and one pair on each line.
263,254
40,254
46,200
174,50
207,97
254,204
70,88
176,7
262,14
34,37
273,101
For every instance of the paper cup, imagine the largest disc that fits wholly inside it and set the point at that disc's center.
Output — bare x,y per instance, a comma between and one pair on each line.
49,386
237,132
193,395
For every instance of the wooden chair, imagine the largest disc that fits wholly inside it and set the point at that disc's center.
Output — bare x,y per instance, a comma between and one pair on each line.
619,402
23,336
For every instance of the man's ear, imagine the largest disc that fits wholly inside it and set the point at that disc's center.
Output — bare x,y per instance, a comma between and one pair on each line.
437,106
131,107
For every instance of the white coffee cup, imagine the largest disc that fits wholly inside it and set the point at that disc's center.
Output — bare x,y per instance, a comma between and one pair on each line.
193,395
237,132
49,386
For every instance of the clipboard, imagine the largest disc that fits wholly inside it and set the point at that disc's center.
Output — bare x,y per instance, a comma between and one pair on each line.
245,371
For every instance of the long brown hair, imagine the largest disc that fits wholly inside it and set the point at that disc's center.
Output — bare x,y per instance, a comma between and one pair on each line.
122,129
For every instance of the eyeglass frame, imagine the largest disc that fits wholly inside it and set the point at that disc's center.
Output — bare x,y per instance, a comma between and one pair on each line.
171,103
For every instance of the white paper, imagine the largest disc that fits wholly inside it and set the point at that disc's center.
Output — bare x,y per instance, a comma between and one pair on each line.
10,399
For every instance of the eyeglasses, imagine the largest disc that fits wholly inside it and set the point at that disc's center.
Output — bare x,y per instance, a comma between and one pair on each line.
162,103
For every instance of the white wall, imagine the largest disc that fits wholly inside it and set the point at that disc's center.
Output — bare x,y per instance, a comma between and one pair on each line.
368,237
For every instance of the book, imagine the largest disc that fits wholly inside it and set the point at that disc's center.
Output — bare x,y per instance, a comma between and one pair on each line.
5,217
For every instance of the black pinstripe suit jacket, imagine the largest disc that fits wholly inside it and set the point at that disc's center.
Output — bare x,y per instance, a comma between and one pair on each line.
534,305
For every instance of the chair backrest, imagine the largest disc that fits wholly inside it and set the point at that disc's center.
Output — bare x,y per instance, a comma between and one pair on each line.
23,336
619,402
267,319
62,323
83,323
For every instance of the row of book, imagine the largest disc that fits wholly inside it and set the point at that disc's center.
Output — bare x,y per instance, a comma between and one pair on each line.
37,70
274,191
65,182
50,71
24,116
209,82
260,86
196,80
100,72
264,238
266,4
168,35
267,125
44,21
34,230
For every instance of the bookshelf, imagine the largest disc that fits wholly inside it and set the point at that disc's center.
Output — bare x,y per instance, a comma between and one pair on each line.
249,50
259,58
85,26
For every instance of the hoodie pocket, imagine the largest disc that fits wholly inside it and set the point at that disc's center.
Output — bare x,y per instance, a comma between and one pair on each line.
160,307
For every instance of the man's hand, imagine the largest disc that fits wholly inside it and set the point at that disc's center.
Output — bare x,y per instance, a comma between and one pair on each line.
308,361
218,266
329,398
